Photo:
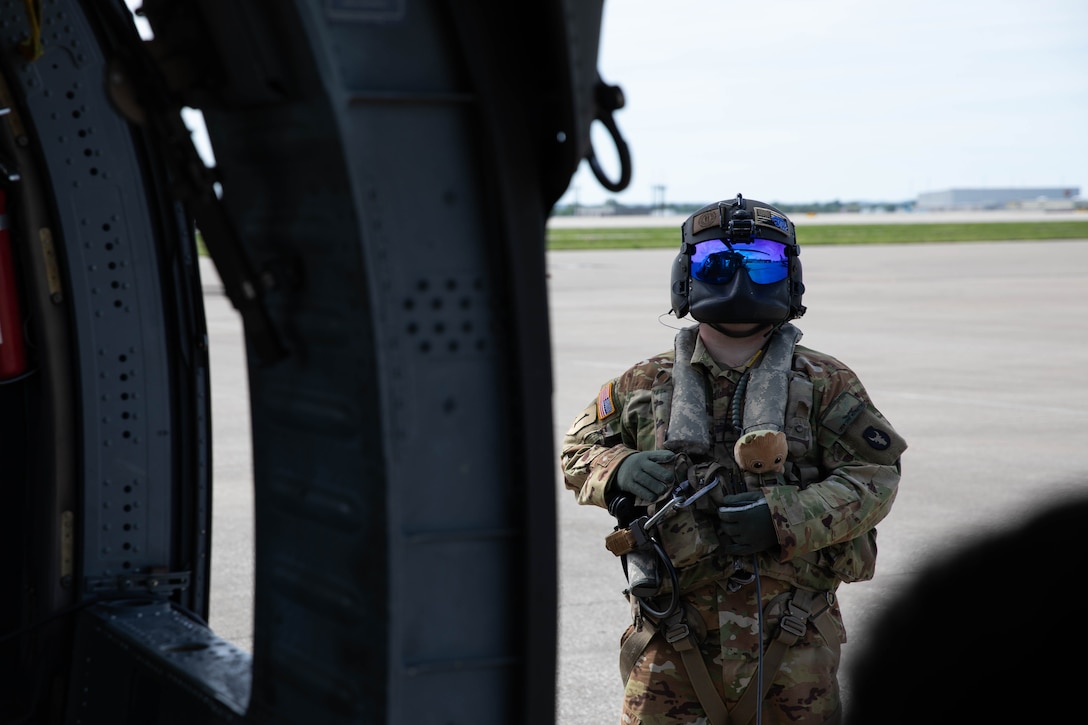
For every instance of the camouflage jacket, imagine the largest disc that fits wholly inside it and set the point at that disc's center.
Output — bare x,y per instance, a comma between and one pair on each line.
842,473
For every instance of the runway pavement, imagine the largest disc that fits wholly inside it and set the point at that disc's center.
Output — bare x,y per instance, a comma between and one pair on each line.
975,352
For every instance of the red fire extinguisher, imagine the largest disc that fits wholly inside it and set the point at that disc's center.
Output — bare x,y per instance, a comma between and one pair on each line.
12,349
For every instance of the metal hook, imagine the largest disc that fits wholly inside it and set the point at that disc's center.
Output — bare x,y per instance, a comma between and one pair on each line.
608,99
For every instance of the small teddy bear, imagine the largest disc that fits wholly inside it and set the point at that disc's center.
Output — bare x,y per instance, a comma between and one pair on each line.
761,451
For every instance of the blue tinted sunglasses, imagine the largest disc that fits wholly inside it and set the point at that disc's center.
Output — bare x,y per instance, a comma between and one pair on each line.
716,261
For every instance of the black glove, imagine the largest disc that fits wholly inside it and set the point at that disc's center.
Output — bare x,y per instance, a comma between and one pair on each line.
750,530
643,475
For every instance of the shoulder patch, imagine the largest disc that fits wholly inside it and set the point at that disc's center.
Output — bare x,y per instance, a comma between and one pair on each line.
871,438
877,439
605,406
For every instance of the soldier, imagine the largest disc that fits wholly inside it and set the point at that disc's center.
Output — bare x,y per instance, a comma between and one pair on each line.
732,570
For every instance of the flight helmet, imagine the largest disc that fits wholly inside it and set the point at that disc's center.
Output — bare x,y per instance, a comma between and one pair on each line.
738,262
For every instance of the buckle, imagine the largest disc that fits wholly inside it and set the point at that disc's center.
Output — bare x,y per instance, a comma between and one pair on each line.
794,623
677,632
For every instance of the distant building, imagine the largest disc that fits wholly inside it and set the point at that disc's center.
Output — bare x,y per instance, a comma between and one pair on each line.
596,210
1018,198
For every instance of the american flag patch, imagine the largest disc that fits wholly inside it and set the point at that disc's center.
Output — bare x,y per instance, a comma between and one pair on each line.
605,407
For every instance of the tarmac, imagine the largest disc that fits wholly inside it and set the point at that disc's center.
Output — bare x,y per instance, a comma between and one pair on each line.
975,352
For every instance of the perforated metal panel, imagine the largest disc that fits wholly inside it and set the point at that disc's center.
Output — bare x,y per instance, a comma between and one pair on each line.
110,260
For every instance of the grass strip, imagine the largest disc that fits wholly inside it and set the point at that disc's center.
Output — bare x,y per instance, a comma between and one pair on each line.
669,237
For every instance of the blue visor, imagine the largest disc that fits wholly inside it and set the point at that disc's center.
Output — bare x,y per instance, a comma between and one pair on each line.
716,261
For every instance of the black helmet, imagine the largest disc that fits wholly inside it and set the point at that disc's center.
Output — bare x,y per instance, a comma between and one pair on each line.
719,242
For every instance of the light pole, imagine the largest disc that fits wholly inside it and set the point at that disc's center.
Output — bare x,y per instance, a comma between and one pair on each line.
658,203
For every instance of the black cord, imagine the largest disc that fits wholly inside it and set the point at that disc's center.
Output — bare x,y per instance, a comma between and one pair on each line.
738,400
674,596
759,629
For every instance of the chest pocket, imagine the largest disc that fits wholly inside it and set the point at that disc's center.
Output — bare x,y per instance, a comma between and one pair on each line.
691,533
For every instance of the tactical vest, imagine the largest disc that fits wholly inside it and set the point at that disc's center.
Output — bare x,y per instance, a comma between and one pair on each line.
771,396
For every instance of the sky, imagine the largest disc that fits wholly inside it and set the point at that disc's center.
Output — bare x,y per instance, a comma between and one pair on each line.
796,101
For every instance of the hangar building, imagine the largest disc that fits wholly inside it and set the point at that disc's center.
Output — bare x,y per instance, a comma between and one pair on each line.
1016,198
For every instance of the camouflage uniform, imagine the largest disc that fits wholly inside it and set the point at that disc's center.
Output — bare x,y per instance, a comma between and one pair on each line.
841,479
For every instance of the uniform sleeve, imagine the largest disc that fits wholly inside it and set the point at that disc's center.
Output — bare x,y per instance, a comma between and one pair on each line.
591,453
616,424
836,517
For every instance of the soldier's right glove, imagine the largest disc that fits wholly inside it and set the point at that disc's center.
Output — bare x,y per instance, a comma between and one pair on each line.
642,474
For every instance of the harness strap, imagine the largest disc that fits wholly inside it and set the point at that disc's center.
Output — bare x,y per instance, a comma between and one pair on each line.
800,609
632,648
633,645
685,640
685,644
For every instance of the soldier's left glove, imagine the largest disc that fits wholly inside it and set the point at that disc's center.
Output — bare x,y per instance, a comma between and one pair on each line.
746,520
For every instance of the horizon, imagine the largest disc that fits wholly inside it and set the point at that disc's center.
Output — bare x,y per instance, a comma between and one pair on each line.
628,203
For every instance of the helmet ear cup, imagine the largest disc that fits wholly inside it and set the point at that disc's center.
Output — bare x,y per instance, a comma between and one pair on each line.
681,284
797,285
